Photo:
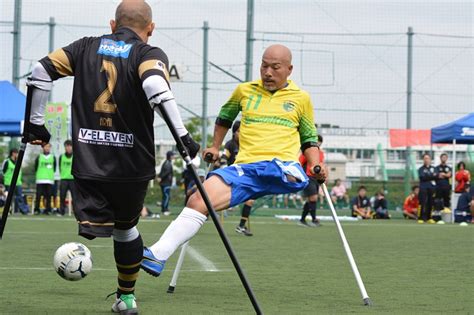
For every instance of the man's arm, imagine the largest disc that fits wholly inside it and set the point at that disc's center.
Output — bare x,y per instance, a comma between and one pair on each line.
58,64
227,115
448,174
166,170
153,71
308,140
5,166
424,177
219,134
36,163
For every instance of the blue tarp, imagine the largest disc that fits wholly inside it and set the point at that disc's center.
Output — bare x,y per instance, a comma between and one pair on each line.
461,130
12,109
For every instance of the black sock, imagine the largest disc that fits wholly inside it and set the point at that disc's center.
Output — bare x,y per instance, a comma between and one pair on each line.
245,215
312,210
128,256
305,211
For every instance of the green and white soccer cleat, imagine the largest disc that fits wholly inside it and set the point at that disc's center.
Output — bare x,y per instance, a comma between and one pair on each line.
125,305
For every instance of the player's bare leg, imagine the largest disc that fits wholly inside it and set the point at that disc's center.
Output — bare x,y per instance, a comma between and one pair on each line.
186,225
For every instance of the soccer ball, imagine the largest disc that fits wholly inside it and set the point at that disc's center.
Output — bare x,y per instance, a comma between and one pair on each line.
72,261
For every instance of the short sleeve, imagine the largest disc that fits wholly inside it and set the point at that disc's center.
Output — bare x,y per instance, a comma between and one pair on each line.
307,129
60,63
153,62
230,109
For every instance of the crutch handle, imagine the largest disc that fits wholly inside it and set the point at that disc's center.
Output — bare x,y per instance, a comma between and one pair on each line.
208,157
317,170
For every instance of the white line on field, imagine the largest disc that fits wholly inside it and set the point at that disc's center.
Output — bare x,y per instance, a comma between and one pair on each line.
203,261
273,222
103,269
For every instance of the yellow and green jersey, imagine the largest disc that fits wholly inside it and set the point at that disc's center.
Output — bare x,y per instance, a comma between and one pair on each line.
273,125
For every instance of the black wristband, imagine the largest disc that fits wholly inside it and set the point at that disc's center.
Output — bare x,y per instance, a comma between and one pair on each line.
223,122
310,144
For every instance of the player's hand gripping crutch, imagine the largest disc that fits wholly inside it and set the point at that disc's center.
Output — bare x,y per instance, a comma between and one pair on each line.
347,249
184,247
189,165
28,129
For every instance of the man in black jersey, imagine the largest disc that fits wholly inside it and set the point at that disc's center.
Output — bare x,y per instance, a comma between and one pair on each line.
117,77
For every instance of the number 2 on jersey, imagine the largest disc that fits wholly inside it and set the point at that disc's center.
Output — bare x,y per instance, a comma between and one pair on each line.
103,103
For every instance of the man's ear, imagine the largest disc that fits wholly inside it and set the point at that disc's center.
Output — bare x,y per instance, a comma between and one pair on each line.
290,67
113,26
151,27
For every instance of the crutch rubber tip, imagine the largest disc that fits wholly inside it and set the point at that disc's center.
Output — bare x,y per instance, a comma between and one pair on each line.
368,302
170,289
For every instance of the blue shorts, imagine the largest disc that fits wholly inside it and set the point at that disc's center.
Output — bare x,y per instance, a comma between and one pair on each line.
254,180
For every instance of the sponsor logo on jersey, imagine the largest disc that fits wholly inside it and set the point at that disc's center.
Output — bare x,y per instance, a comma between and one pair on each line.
108,138
112,48
288,106
466,131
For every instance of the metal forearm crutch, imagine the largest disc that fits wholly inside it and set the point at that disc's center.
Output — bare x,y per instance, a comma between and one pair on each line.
347,249
189,165
182,253
19,160
177,269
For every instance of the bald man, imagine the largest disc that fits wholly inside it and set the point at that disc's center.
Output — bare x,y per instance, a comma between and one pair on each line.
119,79
277,122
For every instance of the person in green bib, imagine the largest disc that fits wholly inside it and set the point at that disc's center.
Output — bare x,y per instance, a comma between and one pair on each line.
7,168
45,167
67,180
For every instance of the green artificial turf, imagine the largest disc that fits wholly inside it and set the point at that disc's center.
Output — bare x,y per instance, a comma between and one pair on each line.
407,269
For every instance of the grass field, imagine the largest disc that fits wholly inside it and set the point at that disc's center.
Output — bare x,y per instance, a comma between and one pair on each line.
407,269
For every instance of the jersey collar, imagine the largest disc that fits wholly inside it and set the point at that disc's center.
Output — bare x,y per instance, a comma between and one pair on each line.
128,31
290,87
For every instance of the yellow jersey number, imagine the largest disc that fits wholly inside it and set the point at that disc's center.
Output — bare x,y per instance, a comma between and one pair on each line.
103,103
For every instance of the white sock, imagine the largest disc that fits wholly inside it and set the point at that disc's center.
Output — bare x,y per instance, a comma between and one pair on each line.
125,235
182,229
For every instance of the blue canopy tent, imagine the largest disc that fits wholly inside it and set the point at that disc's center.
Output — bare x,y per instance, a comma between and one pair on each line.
12,109
460,131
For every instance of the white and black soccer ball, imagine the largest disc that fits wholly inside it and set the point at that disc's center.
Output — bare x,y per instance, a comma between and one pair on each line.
73,261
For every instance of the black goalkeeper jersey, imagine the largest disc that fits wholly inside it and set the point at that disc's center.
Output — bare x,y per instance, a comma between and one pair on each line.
112,121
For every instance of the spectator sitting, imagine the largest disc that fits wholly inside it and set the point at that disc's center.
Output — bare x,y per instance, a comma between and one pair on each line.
463,177
411,204
465,206
339,192
360,205
381,206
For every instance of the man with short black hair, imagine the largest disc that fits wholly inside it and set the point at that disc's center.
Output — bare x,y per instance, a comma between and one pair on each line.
360,205
443,188
166,180
428,175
